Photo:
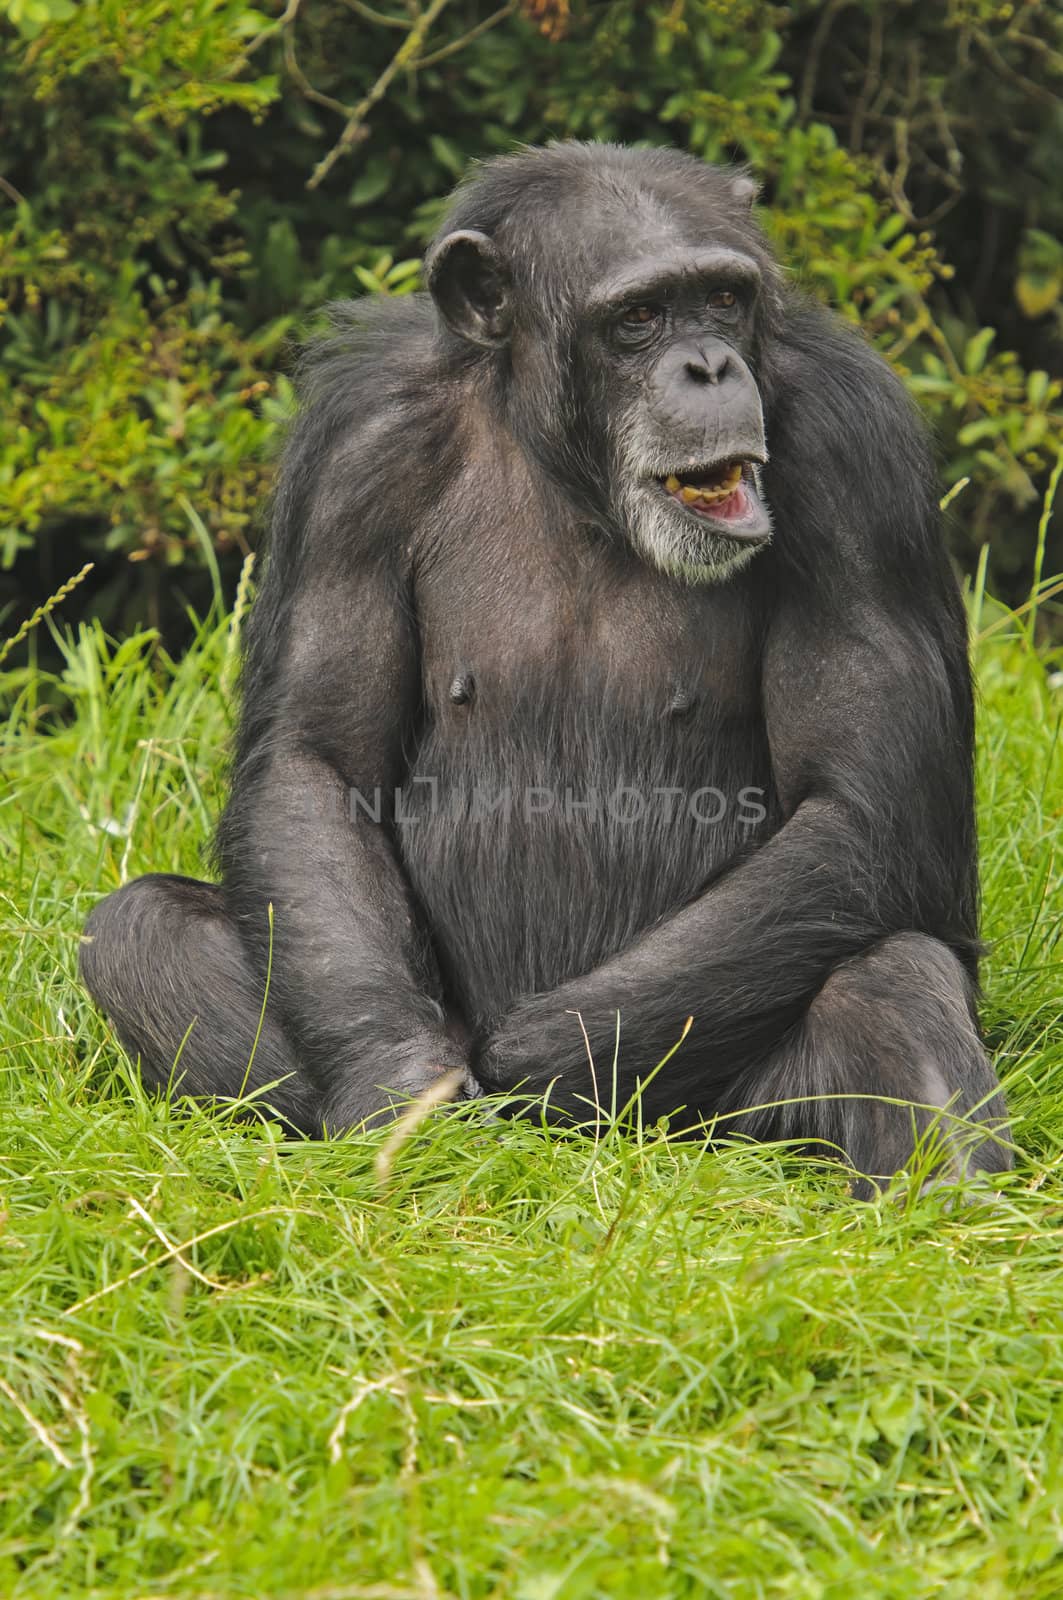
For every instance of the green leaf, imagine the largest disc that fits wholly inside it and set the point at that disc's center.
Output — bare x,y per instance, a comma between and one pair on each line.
974,357
373,182
1037,292
447,154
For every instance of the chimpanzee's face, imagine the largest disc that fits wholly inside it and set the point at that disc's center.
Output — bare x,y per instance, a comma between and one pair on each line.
663,342
628,359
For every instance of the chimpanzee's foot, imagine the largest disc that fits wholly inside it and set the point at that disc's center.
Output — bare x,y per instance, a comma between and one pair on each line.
896,1024
162,959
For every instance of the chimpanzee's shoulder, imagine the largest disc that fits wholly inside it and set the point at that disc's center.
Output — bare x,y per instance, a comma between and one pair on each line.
372,431
824,378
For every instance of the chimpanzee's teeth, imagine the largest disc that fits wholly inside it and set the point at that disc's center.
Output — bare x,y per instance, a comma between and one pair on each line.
692,493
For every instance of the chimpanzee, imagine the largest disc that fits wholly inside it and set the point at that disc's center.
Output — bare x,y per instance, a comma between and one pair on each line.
607,671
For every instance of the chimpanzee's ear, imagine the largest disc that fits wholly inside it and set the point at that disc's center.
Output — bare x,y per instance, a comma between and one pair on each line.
470,283
745,188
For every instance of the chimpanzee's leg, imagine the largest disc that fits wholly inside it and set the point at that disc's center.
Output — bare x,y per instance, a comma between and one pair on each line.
163,960
898,1022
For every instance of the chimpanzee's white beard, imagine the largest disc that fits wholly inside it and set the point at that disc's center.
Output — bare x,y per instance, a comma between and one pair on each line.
670,539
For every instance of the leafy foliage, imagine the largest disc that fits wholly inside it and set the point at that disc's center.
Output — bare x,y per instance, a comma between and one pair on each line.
185,181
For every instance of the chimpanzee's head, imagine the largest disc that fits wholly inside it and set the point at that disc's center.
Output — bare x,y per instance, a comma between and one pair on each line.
622,298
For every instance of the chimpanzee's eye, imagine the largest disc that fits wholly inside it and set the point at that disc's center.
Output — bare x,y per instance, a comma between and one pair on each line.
640,317
723,299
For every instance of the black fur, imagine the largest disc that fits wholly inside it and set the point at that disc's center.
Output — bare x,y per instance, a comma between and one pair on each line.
457,607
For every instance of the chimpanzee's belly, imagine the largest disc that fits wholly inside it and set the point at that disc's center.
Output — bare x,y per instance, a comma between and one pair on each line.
541,842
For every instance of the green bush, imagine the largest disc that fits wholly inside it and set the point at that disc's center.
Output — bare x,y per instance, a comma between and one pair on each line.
185,181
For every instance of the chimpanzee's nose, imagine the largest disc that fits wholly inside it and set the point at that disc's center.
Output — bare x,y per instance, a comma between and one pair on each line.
708,366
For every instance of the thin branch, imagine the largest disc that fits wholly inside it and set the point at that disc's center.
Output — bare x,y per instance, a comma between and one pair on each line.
1040,45
882,119
941,122
467,38
11,192
1002,69
930,219
302,82
872,80
367,14
815,50
901,169
287,16
405,58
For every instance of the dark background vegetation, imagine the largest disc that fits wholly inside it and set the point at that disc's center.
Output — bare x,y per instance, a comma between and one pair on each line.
183,183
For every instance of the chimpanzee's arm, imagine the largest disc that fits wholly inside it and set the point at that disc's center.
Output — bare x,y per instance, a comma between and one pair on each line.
866,699
331,688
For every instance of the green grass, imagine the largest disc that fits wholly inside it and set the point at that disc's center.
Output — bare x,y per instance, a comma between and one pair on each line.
518,1365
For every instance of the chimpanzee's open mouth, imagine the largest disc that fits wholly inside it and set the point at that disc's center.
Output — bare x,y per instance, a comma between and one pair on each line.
722,491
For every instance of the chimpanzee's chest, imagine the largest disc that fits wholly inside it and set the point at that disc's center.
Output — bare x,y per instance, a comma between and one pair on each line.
592,754
588,625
